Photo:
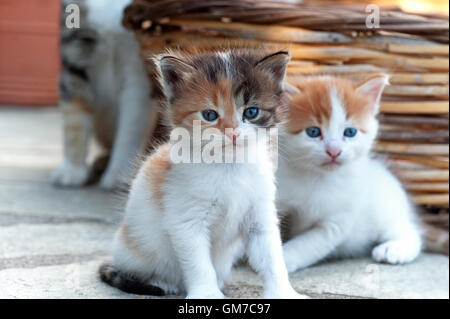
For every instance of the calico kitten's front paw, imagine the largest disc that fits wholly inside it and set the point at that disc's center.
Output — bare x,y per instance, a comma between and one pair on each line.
70,175
394,252
216,294
284,294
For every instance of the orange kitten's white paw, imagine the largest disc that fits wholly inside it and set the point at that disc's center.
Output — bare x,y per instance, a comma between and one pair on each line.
70,175
292,260
394,252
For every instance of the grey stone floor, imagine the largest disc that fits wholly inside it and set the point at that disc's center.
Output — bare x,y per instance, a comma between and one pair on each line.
53,240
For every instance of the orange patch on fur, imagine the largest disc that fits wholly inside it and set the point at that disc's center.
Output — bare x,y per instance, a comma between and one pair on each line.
156,168
132,245
226,103
203,96
358,107
312,106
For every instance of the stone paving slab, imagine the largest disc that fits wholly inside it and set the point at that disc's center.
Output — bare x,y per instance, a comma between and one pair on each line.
49,239
52,240
427,277
61,281
338,280
11,175
39,199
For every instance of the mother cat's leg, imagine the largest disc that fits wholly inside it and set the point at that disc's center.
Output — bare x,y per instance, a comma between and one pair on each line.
77,128
136,121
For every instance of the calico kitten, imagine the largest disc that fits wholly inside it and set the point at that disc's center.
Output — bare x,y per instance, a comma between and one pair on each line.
339,200
186,223
104,90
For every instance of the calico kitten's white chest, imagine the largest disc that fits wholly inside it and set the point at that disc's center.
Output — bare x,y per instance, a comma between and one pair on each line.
228,190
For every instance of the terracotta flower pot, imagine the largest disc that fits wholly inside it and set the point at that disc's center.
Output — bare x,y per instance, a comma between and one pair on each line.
29,51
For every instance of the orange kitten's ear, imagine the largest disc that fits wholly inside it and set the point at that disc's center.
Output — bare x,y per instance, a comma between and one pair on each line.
173,72
373,87
275,63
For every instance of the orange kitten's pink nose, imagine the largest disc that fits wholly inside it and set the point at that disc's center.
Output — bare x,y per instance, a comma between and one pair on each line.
333,152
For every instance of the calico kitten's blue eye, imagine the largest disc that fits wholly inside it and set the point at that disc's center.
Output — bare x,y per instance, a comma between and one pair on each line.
210,115
251,113
350,132
313,132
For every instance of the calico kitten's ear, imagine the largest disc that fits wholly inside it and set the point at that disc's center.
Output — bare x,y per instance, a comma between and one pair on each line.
290,89
173,73
373,88
275,63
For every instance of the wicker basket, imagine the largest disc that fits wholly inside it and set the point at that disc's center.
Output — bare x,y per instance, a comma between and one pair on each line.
333,39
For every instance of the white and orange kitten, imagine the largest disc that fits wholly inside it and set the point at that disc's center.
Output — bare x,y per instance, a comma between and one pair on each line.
340,201
185,223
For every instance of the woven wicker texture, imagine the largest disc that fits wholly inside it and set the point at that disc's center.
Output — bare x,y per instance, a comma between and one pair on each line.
333,38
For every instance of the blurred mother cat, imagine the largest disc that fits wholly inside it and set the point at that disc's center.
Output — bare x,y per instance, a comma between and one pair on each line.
104,91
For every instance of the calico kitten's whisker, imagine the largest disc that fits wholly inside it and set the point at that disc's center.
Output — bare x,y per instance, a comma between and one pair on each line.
188,204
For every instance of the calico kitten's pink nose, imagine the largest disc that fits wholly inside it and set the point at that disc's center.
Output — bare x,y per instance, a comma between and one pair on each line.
333,152
233,136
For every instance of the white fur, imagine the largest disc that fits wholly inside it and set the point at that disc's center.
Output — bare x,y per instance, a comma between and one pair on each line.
213,215
342,211
106,15
210,216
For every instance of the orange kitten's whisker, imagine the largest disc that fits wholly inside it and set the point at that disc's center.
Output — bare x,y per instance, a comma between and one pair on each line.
340,200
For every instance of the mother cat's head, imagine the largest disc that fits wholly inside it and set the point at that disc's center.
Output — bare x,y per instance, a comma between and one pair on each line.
332,122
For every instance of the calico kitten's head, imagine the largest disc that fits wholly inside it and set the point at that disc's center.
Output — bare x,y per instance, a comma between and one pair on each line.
332,121
237,90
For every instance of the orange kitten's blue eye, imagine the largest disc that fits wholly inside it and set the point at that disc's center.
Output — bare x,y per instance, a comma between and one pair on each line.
350,132
210,115
313,132
251,113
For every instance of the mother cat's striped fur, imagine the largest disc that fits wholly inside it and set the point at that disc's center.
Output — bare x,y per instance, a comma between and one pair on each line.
186,224
105,92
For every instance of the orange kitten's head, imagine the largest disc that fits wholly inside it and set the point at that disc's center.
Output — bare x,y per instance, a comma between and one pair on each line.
333,121
238,90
